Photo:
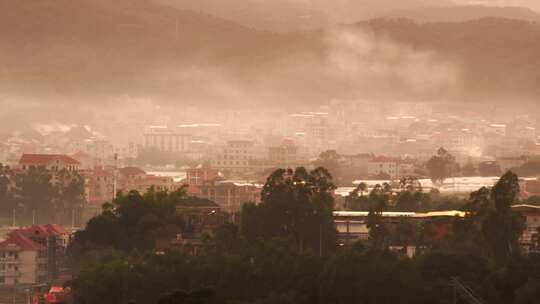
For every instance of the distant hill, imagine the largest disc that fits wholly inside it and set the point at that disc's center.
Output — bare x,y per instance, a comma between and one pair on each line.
65,47
295,15
463,13
89,50
498,58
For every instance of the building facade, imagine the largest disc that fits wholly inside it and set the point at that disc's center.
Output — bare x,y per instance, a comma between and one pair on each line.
166,139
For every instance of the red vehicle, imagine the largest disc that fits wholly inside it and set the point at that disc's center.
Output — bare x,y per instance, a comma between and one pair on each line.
58,295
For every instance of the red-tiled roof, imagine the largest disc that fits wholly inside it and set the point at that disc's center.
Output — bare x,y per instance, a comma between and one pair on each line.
55,229
45,230
17,238
131,171
43,159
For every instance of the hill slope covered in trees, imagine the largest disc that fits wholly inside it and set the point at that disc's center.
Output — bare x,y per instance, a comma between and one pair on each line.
92,50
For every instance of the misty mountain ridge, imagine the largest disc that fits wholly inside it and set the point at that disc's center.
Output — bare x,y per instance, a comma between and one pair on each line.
460,13
299,15
90,51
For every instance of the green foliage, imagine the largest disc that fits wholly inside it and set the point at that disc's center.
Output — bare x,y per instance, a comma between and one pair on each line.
356,200
296,205
409,198
272,257
40,194
132,222
441,166
501,227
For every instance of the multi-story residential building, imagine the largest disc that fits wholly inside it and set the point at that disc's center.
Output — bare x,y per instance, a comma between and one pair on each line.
167,139
100,183
395,168
313,128
32,255
100,150
86,161
159,183
235,157
22,261
231,195
131,178
284,155
199,176
382,165
531,214
52,162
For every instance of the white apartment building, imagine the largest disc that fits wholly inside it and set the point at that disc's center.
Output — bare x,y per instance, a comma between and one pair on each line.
166,139
383,165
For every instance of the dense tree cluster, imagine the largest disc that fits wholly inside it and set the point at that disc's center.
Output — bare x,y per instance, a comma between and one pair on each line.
405,196
132,222
441,166
274,254
40,195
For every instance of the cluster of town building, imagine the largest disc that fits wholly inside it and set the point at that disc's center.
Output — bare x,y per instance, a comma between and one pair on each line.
242,141
226,162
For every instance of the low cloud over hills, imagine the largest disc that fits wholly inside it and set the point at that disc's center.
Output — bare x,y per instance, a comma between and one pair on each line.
87,52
